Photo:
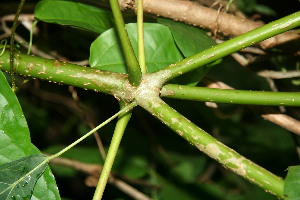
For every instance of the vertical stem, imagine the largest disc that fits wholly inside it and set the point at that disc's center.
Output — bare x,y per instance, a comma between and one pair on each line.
31,36
12,44
140,25
112,152
133,67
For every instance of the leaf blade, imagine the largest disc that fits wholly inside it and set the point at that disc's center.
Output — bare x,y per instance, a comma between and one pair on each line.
190,40
74,14
292,183
18,178
160,49
15,139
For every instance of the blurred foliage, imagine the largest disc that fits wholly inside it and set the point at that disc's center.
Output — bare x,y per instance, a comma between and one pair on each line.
149,151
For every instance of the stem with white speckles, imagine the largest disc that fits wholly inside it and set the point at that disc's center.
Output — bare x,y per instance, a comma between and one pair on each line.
65,73
231,96
213,148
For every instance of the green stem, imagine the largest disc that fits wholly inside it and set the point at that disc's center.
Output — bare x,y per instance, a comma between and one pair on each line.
65,73
31,36
140,25
235,44
112,152
231,96
213,148
133,67
12,44
124,109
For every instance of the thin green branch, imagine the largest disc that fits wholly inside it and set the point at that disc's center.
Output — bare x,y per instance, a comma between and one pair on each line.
12,44
31,36
112,152
231,96
235,44
122,112
66,73
133,67
140,25
213,148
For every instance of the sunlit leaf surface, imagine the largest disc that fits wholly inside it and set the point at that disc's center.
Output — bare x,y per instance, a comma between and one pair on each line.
74,14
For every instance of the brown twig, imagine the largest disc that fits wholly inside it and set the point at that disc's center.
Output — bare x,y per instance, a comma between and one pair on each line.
89,120
193,13
94,170
279,75
18,38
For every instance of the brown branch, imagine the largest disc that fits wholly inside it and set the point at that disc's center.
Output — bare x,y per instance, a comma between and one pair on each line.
94,170
193,13
267,113
279,75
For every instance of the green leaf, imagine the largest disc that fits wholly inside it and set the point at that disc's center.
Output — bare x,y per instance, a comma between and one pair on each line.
18,178
160,48
292,183
15,140
190,40
74,14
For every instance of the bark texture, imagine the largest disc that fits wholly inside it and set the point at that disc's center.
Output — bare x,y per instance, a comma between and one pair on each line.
216,21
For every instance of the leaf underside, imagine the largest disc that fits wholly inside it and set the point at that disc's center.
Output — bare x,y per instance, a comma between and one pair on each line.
15,180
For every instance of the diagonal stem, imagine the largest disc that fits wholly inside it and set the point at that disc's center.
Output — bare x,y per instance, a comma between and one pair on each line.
112,152
213,148
235,44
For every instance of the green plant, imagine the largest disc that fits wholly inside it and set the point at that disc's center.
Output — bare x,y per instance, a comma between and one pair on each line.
142,87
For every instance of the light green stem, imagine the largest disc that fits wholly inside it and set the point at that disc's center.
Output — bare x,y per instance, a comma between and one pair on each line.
31,36
140,25
112,152
235,44
231,96
133,67
213,148
123,110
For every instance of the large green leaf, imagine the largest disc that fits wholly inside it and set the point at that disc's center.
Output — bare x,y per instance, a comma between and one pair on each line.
190,40
74,14
160,48
18,178
15,140
292,183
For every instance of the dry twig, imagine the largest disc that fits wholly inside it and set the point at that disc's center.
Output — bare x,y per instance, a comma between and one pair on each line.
193,13
94,170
